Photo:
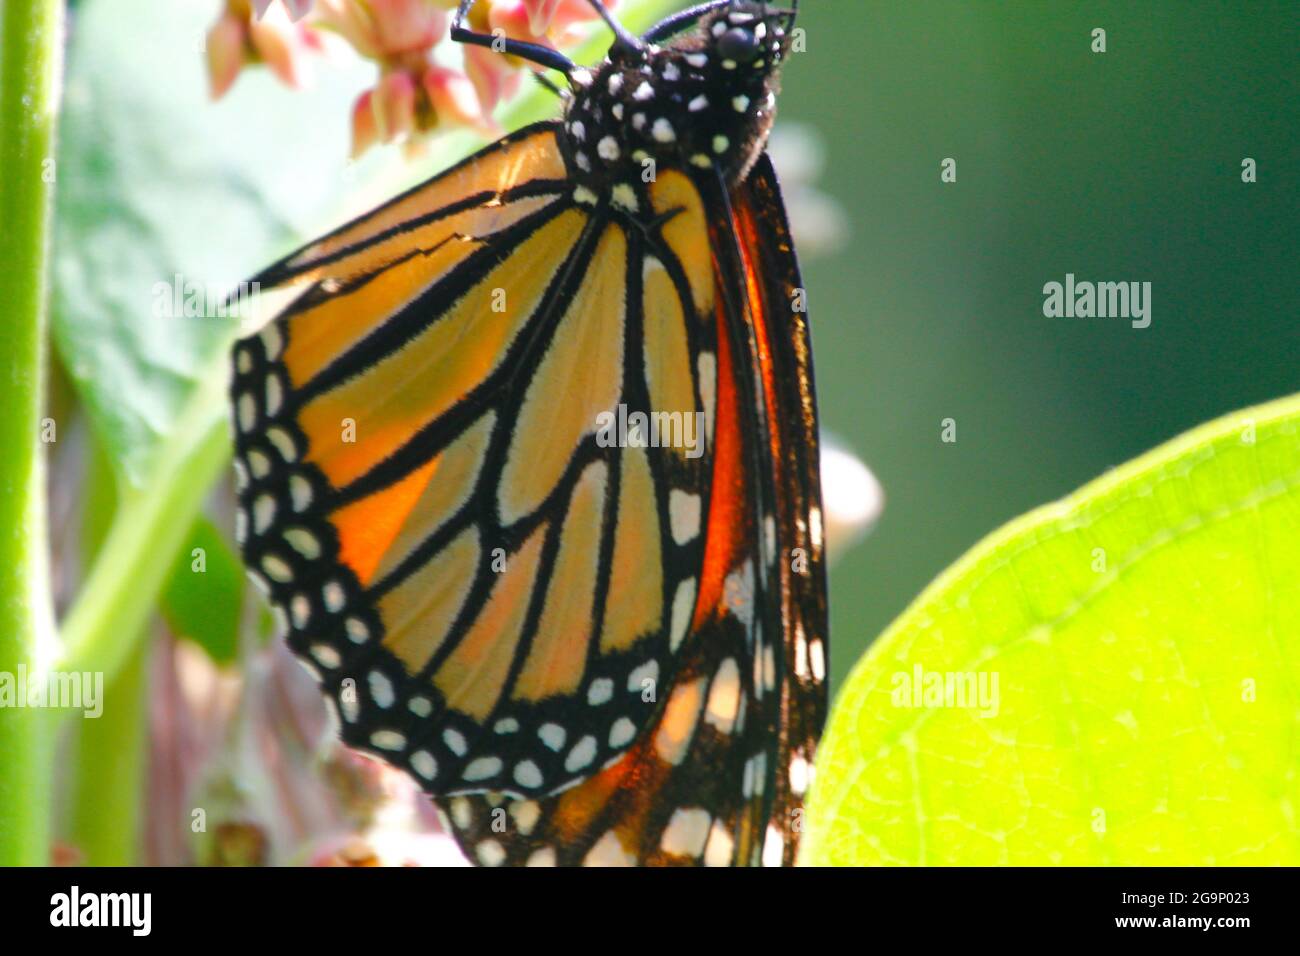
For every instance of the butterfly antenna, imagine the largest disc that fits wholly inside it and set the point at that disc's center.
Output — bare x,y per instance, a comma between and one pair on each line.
499,43
680,21
623,39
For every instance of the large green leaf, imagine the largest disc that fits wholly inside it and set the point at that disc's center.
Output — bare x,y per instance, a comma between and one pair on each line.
158,188
1144,636
203,597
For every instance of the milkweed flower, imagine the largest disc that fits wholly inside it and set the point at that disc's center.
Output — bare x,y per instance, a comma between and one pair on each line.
239,38
400,36
418,89
852,498
297,8
413,94
553,23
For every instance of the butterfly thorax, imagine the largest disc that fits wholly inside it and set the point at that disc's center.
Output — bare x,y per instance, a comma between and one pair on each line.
706,102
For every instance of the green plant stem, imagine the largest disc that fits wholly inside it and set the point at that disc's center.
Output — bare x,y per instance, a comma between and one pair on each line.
31,35
149,527
107,796
109,761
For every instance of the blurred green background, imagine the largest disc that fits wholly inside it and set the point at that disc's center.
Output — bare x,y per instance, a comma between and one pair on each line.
1117,166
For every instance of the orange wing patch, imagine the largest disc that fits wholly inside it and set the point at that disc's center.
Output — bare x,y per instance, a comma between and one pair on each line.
511,162
556,662
634,608
579,377
392,399
366,528
418,613
474,676
388,276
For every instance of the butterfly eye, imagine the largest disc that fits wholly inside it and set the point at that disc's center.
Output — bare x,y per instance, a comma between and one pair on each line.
738,44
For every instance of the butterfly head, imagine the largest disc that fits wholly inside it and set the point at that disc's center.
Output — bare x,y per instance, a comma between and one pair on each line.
703,101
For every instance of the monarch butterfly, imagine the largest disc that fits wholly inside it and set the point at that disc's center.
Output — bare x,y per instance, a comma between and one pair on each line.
587,650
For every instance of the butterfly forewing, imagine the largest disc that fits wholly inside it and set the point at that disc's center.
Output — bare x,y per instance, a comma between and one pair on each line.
486,573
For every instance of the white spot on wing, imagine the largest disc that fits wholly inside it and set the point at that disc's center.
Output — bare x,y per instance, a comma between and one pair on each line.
608,851
684,515
721,845
724,697
687,831
707,367
683,606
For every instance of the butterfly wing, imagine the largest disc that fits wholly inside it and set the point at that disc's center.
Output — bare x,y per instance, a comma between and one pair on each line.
488,590
718,776
778,311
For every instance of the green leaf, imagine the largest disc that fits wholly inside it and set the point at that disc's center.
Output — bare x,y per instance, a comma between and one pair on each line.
202,599
162,193
1144,637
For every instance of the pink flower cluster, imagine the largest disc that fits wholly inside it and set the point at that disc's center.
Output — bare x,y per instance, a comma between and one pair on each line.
413,94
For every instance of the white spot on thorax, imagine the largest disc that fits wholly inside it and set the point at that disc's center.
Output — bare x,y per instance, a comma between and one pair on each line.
624,196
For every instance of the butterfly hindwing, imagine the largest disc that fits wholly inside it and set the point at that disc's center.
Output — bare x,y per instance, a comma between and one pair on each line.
718,778
778,307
